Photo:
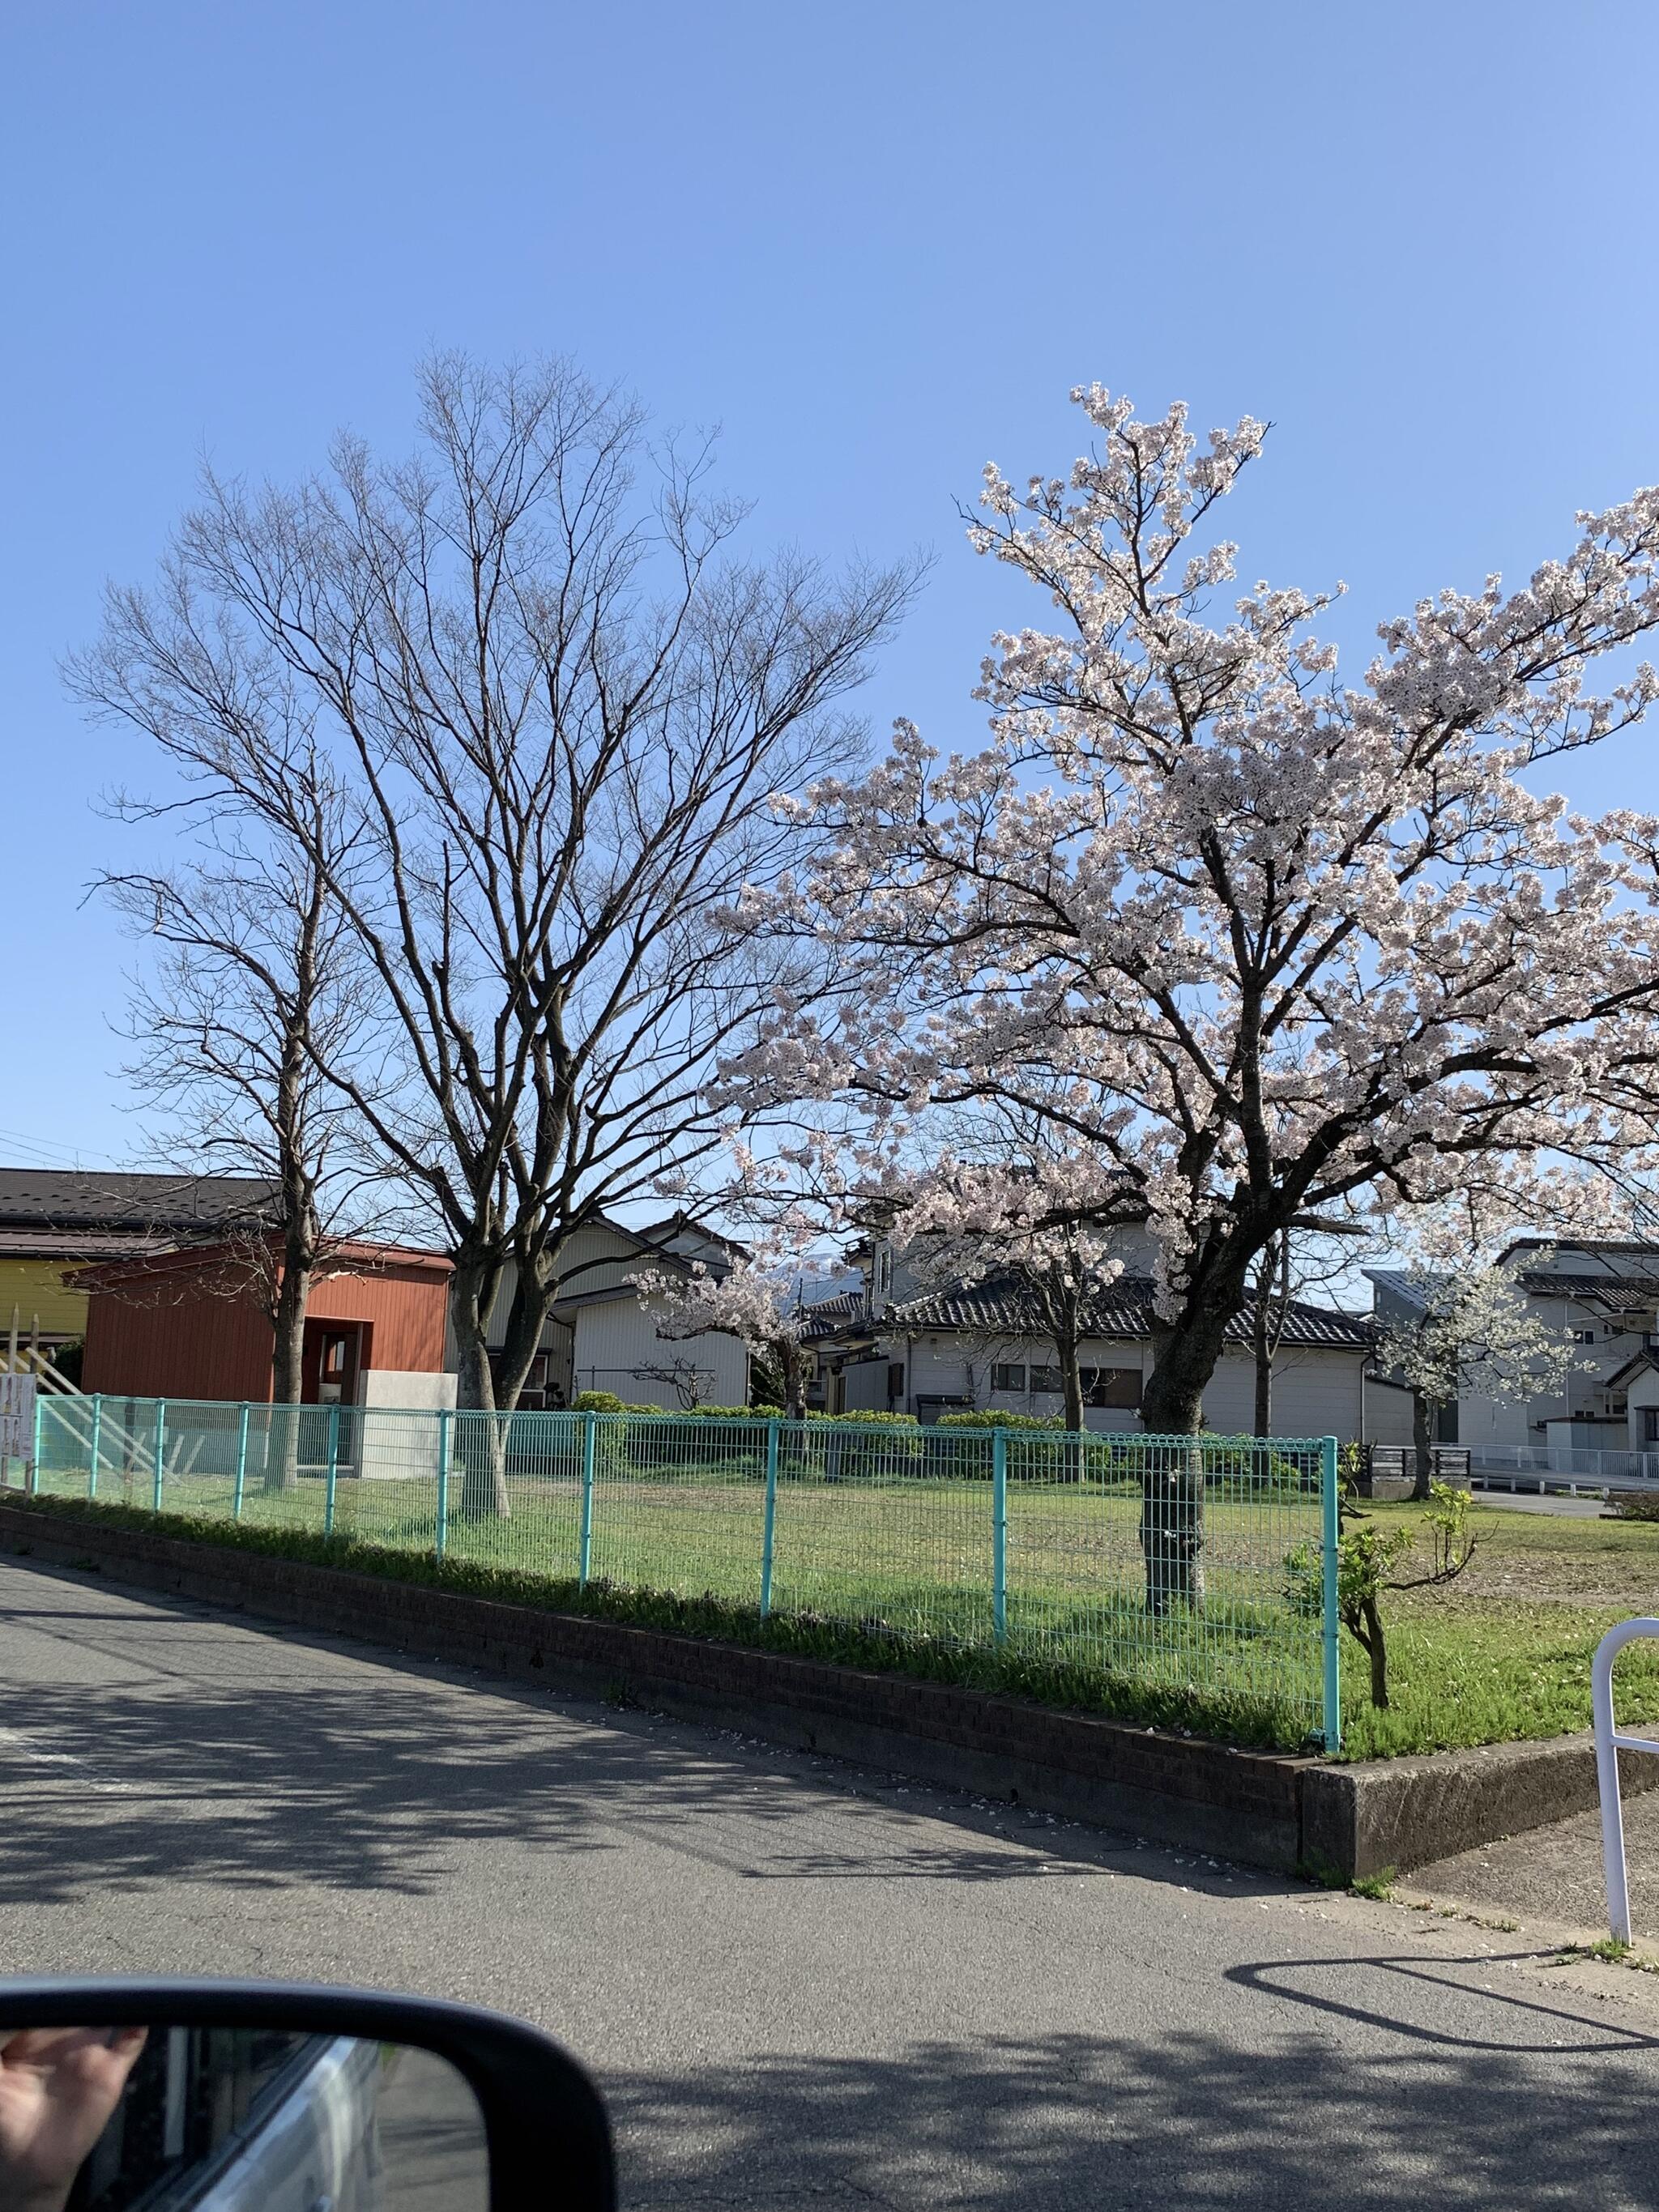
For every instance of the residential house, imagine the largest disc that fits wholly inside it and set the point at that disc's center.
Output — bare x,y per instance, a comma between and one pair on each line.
917,1348
193,1323
600,1337
1602,1296
54,1221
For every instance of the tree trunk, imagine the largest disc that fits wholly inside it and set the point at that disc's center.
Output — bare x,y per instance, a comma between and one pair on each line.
1263,1346
480,1444
1377,1649
1422,1413
288,1370
793,1363
1071,1384
1172,1487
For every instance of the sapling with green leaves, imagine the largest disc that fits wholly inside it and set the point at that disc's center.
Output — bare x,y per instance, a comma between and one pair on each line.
1369,1560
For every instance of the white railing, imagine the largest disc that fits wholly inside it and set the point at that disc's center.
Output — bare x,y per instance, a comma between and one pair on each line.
1608,1745
1625,1470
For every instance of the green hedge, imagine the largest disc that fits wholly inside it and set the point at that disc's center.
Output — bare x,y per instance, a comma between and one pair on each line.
995,1420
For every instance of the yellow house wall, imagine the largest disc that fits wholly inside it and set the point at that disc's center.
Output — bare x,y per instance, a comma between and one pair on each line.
36,1287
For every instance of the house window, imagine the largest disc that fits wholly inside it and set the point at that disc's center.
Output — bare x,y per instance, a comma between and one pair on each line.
895,1380
1010,1378
1584,1336
1650,1424
1046,1379
1119,1386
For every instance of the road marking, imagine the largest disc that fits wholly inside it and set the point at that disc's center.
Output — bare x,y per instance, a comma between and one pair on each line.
17,1739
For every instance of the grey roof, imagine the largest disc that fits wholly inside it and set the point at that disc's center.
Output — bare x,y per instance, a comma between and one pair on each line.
56,1199
1405,1282
1002,1306
1625,1293
1632,1366
1637,1248
824,1317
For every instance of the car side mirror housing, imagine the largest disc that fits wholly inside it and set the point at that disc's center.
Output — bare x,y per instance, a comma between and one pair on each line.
270,2096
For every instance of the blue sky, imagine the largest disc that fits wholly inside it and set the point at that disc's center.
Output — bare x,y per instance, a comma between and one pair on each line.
877,244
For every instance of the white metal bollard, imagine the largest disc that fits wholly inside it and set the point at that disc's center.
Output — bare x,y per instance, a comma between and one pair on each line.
1608,1745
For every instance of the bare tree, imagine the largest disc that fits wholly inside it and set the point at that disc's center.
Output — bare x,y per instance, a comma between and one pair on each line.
252,992
554,714
1289,1265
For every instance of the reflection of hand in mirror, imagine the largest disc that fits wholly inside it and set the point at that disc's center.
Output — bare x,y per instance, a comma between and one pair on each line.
59,2087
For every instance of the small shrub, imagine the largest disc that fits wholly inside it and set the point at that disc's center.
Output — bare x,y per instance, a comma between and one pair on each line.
1379,1885
867,1419
1633,1505
598,1402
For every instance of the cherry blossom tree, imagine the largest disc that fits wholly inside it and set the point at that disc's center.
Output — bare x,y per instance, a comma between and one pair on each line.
752,1302
1017,1208
1253,943
1471,1328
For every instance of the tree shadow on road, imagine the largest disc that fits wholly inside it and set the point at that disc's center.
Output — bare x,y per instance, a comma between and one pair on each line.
1170,2120
264,1758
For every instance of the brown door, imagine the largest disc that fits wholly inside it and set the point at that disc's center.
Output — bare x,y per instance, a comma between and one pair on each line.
330,1362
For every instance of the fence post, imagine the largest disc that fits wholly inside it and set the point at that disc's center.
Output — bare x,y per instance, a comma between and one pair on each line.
769,1519
241,1464
161,1453
1330,1500
440,1531
333,1466
585,1553
96,1440
34,1442
999,1534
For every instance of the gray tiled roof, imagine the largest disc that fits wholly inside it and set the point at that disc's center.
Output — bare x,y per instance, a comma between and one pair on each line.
1001,1305
825,1316
1630,1292
60,1199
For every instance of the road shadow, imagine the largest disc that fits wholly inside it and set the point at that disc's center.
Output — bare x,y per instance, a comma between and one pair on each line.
240,1760
1182,2122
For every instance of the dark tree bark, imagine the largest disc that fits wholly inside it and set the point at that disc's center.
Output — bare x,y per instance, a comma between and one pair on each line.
793,1362
479,1444
1423,1411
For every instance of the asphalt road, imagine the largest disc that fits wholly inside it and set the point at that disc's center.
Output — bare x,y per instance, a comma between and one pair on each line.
798,1983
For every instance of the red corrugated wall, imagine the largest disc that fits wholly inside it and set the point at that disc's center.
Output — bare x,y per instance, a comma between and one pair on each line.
406,1305
165,1331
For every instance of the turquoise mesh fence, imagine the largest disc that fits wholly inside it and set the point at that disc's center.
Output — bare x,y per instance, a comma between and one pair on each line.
1083,1562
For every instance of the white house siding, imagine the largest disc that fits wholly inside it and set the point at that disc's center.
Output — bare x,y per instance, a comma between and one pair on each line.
599,1343
615,1345
1316,1392
1388,1413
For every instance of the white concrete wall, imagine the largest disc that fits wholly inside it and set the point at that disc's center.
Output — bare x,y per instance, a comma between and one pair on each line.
615,1345
408,1393
1496,1423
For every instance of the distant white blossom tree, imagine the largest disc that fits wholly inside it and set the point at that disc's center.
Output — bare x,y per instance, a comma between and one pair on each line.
1255,944
1471,1330
757,1305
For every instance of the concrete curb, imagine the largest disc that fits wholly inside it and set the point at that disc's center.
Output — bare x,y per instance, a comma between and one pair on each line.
1266,1808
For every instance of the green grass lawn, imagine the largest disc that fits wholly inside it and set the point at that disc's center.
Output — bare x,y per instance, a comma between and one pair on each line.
900,1573
1504,1653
